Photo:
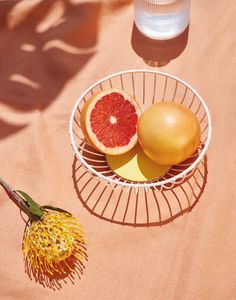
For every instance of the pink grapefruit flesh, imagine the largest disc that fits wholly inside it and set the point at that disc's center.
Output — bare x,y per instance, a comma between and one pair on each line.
109,121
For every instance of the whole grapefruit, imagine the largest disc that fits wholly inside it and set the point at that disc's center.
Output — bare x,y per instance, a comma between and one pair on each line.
168,132
109,121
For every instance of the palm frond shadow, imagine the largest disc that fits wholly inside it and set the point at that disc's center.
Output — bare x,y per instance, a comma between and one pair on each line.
35,66
141,208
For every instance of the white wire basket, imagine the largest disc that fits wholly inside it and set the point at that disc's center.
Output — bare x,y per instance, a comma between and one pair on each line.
148,87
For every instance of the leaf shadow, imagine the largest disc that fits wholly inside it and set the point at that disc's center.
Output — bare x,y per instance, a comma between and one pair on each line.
37,61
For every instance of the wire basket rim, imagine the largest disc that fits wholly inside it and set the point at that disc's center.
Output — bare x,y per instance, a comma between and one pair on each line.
142,184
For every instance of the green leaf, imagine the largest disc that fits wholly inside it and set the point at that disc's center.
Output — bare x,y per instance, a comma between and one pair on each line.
55,208
34,207
27,198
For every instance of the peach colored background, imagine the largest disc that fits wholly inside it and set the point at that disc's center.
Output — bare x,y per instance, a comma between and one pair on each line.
50,52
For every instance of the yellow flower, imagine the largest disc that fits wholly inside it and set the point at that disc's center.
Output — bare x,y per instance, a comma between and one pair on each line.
54,244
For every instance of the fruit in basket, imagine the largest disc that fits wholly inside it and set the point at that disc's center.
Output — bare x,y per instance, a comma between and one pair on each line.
168,132
109,121
134,165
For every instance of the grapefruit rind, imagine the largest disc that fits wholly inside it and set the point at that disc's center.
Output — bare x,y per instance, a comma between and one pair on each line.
168,132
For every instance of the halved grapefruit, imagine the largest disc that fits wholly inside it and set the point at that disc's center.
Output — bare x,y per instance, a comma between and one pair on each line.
109,121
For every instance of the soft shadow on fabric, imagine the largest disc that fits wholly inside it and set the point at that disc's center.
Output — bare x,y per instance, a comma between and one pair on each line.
118,4
7,128
157,53
40,52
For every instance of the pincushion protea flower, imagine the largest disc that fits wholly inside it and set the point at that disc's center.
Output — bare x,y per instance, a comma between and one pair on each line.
53,242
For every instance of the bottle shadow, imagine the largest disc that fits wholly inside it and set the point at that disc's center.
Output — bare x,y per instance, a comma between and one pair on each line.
142,207
158,53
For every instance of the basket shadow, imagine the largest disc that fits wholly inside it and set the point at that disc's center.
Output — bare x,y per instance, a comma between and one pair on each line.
142,207
158,53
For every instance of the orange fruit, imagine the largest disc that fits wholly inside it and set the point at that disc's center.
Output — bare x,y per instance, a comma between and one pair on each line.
109,121
168,132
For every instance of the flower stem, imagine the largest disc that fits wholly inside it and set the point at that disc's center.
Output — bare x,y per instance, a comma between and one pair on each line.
15,197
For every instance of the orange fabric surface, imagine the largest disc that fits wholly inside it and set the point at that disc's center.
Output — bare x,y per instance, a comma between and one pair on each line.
50,52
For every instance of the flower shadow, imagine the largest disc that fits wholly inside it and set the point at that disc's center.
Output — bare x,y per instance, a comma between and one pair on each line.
72,270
